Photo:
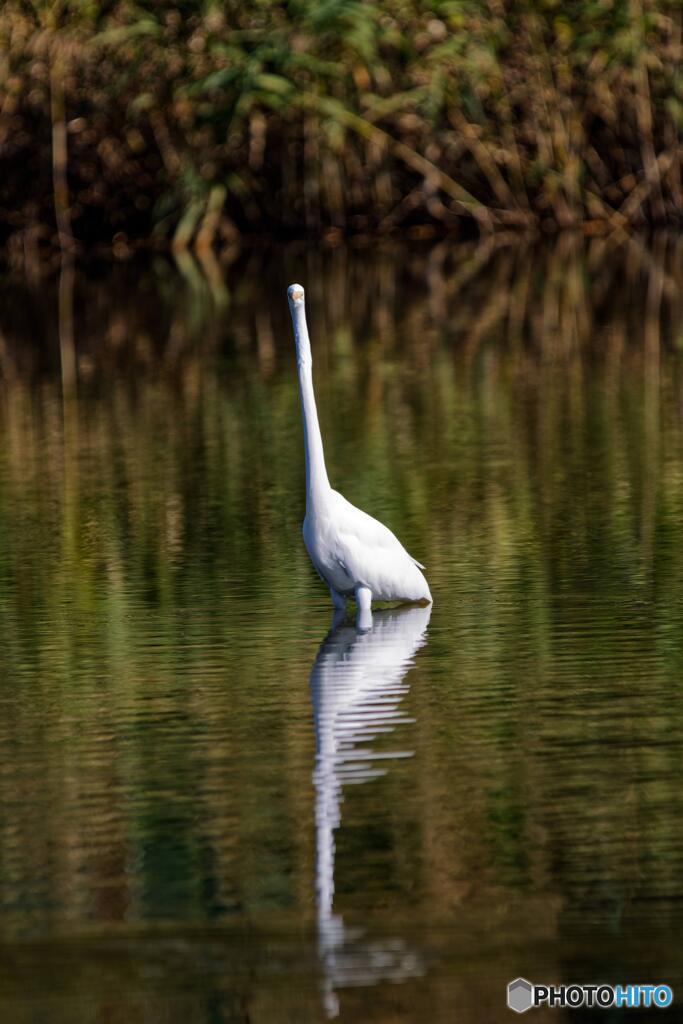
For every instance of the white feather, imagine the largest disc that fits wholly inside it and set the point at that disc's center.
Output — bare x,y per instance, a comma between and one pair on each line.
350,549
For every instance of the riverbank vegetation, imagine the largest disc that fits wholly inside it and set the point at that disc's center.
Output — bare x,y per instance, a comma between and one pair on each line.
192,122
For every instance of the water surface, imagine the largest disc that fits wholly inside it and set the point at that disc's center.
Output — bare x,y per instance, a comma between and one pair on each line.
215,809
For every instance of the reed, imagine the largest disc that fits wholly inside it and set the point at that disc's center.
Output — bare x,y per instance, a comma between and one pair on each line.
189,123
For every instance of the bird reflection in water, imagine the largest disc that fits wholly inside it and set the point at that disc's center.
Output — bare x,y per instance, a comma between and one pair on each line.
357,685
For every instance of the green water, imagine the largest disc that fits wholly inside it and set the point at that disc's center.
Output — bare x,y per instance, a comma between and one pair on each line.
210,810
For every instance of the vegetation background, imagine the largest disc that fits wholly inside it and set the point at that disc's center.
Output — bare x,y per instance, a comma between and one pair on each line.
192,121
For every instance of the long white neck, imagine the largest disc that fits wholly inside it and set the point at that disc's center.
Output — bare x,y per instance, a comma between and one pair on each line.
317,484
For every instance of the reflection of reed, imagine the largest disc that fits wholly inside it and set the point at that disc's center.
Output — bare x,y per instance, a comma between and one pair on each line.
67,349
554,299
356,689
540,454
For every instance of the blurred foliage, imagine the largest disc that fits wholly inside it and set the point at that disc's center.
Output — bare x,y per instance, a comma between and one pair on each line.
198,119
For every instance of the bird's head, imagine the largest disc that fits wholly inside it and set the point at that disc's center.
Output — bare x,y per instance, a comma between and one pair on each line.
295,294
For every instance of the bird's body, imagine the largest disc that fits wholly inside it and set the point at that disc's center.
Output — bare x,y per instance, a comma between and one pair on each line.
349,548
356,555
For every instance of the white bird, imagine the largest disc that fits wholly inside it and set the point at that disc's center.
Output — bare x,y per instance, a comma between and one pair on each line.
356,555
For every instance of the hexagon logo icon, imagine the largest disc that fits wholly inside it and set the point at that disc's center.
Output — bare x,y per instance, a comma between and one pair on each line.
520,995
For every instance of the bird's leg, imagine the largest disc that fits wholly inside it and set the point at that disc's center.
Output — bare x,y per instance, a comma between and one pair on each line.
338,616
338,601
364,604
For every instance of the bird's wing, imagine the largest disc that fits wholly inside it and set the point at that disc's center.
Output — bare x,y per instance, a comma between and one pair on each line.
367,549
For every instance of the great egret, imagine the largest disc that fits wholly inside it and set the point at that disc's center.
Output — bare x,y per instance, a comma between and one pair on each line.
356,555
